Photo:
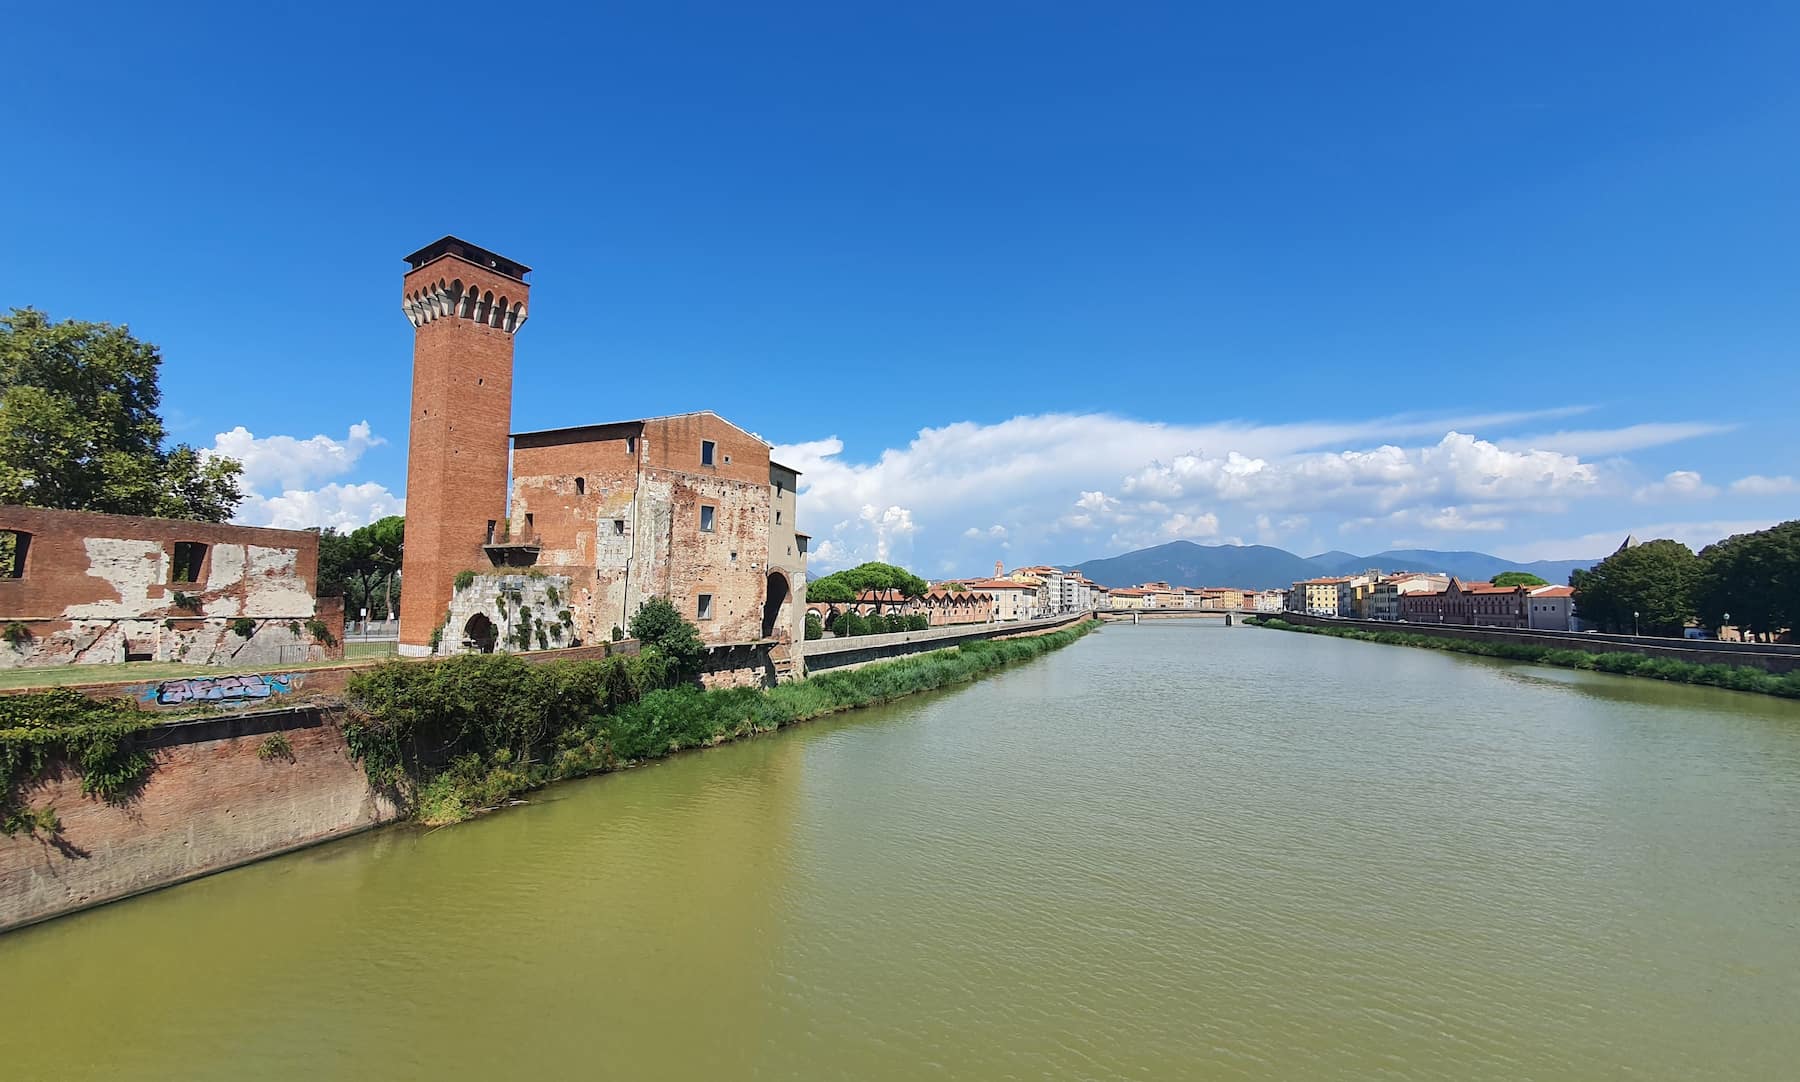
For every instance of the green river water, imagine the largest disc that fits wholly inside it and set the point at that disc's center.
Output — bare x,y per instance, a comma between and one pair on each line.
1165,852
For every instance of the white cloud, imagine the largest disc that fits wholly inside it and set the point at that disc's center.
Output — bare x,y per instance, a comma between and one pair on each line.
1678,485
1617,441
293,468
1758,485
343,506
1071,486
283,462
976,533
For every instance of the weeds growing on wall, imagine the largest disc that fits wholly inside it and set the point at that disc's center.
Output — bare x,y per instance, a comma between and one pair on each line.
1732,677
471,732
95,738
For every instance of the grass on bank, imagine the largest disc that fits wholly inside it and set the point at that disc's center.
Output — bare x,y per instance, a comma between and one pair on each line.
468,733
1731,677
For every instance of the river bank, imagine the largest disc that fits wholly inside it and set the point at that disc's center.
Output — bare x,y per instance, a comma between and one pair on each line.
1730,677
453,739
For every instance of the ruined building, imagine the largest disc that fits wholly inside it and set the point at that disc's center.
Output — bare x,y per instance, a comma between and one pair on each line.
78,587
603,517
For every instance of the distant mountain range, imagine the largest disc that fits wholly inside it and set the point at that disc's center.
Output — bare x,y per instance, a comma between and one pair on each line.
1260,567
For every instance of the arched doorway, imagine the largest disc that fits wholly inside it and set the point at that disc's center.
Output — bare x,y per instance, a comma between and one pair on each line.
775,598
479,634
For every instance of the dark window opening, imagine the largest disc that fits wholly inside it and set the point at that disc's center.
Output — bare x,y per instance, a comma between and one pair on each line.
706,519
618,527
13,547
189,556
778,518
581,486
491,525
707,447
631,445
528,525
704,609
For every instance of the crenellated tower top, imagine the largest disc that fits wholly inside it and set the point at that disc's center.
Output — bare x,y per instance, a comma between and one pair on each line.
453,279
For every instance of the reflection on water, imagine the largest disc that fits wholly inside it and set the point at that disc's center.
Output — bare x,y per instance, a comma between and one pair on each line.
1168,851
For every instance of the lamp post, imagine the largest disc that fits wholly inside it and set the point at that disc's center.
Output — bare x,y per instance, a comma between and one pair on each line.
1724,625
1634,618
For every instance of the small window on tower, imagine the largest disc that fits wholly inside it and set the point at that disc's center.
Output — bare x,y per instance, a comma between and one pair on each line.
631,445
491,525
706,518
777,518
528,526
704,609
707,448
581,486
618,527
734,557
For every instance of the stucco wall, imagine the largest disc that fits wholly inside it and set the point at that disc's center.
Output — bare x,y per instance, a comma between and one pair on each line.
103,589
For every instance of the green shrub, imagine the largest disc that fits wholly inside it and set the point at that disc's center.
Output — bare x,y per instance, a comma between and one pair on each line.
244,627
662,629
462,581
814,628
321,632
16,634
469,732
918,621
275,746
186,602
95,738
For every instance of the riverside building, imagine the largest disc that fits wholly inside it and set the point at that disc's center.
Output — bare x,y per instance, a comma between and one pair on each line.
601,517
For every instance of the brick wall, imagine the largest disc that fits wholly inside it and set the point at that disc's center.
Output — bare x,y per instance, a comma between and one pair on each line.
210,804
456,464
103,589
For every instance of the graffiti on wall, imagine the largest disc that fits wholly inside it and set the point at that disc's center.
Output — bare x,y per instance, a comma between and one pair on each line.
219,689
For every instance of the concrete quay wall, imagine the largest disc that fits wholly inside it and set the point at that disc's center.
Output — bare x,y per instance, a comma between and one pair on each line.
824,654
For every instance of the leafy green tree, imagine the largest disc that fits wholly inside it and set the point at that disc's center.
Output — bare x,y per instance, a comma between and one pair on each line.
850,625
79,428
1655,580
661,628
814,628
845,585
918,621
1755,577
363,565
1518,578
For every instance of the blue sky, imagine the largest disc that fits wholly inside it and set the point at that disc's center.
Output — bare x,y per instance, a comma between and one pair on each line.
1008,281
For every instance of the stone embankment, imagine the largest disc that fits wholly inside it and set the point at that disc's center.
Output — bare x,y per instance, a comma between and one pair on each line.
823,654
1772,658
229,789
226,790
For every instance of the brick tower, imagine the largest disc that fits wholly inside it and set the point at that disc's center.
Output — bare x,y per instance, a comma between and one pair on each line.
465,304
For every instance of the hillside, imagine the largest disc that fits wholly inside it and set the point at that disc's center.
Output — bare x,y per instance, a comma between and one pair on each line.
1183,563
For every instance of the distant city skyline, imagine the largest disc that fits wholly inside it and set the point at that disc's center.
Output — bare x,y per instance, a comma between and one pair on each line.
1035,288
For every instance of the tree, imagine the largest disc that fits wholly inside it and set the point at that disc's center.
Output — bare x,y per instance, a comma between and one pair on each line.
845,585
660,628
1518,578
814,629
361,566
79,428
850,625
1755,577
1655,580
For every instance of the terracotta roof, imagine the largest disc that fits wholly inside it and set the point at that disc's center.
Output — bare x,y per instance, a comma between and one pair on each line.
1001,584
1554,591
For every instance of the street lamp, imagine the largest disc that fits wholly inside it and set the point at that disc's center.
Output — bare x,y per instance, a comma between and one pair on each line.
1634,629
1725,624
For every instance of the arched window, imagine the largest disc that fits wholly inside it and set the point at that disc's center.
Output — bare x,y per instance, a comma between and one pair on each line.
499,313
468,303
485,309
